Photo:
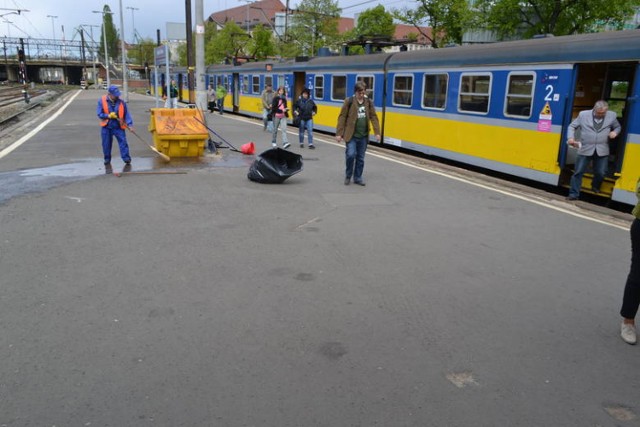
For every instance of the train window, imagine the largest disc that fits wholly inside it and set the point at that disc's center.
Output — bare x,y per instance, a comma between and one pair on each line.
435,91
402,90
474,93
255,85
268,81
519,95
318,87
369,81
245,84
338,87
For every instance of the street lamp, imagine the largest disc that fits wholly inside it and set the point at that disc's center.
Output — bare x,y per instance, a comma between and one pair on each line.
248,3
133,22
125,85
53,27
104,34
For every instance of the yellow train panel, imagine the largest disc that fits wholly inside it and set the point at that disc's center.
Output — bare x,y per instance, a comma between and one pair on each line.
518,147
630,169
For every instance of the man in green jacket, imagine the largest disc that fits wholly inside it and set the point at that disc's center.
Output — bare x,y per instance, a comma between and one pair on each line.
221,92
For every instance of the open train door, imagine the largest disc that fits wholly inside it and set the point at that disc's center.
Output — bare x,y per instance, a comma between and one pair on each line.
298,85
235,92
613,83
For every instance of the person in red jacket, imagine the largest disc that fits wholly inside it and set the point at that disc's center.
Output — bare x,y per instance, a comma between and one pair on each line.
114,119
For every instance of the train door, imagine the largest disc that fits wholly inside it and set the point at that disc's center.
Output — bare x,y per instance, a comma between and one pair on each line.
298,84
235,90
612,83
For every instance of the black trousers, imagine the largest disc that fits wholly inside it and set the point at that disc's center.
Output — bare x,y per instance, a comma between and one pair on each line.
631,299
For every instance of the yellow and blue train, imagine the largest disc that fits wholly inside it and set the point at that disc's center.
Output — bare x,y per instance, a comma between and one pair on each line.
502,106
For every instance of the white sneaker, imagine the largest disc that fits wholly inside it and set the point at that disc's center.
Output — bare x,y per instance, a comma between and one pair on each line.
628,333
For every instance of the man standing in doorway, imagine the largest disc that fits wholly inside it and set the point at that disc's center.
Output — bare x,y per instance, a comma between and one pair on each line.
597,127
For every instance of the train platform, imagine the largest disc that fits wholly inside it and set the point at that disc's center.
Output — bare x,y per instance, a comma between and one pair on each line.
183,293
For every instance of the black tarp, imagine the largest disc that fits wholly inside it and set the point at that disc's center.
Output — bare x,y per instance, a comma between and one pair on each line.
274,166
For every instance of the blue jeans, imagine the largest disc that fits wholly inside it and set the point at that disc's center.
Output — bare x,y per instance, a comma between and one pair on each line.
599,169
308,125
354,153
107,135
268,124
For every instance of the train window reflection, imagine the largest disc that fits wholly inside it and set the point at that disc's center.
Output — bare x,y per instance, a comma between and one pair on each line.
402,90
435,91
245,84
474,93
338,87
318,87
519,95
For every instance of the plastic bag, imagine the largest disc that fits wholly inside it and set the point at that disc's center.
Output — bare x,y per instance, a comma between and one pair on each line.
274,166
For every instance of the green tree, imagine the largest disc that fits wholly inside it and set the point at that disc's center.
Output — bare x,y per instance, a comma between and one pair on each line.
376,22
448,19
261,45
315,24
143,52
113,41
558,17
230,42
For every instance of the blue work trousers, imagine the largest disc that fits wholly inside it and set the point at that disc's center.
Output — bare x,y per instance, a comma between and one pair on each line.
308,126
108,134
599,169
354,154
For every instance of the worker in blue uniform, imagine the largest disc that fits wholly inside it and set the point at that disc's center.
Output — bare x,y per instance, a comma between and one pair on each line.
114,119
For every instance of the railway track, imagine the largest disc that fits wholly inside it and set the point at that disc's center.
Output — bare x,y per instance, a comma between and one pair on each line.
16,113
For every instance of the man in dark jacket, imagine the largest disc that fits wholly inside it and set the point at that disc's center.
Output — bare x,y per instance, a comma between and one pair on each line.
304,110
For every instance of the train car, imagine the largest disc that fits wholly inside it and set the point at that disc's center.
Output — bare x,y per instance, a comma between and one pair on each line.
507,106
502,106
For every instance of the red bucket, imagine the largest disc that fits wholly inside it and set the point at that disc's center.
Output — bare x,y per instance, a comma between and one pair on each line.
248,148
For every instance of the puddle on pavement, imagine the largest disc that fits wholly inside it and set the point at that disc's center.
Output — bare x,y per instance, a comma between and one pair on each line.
20,182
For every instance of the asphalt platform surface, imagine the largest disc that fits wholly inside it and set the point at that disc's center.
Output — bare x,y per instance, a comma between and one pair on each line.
192,296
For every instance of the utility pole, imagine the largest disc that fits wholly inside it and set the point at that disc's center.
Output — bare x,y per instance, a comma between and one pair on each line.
190,55
201,89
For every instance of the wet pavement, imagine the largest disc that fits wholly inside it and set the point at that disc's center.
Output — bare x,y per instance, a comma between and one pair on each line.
26,181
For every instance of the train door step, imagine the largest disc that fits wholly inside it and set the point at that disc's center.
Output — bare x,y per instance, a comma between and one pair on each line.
606,189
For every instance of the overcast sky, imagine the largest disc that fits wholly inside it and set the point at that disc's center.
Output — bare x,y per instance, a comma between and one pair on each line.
42,19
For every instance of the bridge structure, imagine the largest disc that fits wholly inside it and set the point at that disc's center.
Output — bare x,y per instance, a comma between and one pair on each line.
52,61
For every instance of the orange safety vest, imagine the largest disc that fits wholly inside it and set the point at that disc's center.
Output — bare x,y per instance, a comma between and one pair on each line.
105,109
